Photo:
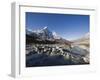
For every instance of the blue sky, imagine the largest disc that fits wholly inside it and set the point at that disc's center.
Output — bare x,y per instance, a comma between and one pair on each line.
69,26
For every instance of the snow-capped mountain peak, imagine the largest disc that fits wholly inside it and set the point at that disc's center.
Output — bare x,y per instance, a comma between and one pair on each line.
55,35
28,31
43,33
46,36
45,27
87,35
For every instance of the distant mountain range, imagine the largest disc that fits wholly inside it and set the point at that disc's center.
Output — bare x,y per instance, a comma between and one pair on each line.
44,33
44,36
48,37
83,40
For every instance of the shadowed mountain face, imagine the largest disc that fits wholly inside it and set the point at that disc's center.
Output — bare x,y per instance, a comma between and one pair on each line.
46,48
44,36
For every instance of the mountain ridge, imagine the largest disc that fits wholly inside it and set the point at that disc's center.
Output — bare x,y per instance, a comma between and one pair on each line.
45,35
